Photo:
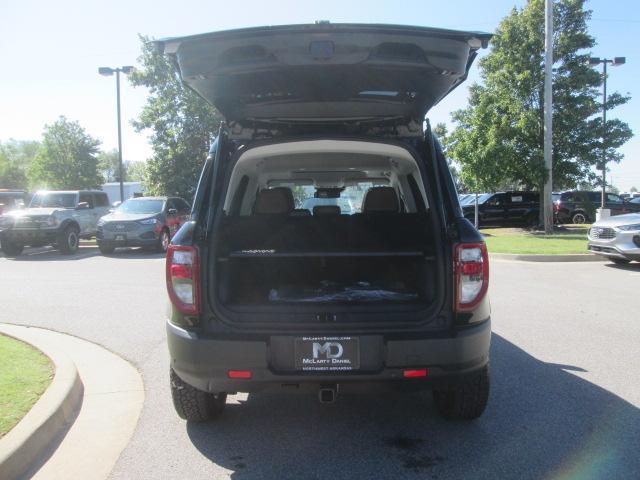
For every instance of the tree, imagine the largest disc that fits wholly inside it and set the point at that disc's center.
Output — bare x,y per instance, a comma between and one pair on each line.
633,189
136,171
182,123
67,158
133,171
442,133
109,165
15,158
498,138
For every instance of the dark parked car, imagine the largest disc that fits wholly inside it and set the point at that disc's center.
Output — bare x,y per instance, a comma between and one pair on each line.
142,222
504,208
265,296
579,206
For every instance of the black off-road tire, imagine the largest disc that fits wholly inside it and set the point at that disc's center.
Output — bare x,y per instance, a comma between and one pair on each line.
163,241
466,400
579,218
106,249
68,240
195,405
11,249
620,261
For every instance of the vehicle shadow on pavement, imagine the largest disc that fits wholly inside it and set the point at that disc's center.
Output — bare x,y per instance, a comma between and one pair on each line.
31,254
38,254
542,422
629,267
134,254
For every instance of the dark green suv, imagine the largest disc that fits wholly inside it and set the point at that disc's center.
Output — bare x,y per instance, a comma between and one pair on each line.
267,294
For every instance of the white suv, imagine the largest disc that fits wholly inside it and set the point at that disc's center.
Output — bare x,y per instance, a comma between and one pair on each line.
59,218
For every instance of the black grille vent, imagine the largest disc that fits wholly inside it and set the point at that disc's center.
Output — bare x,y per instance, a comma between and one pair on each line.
602,233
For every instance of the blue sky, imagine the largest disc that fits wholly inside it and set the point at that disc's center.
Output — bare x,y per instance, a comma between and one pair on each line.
52,50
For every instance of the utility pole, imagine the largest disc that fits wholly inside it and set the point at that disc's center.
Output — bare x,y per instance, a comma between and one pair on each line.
548,116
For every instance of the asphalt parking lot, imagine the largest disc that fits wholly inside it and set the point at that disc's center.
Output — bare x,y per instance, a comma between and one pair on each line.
564,402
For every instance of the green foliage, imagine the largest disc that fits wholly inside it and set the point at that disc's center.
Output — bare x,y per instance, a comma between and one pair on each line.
498,138
136,171
15,158
182,125
67,158
442,134
133,171
109,166
633,189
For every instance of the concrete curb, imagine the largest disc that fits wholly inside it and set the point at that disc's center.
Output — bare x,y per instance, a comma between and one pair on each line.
578,257
51,415
112,397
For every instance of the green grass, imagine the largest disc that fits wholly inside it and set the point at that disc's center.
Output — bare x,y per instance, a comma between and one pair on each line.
566,240
25,373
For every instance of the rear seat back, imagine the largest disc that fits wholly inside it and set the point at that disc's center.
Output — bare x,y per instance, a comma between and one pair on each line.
326,210
332,233
274,201
380,200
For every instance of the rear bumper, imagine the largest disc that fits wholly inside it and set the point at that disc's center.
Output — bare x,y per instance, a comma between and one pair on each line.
204,362
143,236
128,242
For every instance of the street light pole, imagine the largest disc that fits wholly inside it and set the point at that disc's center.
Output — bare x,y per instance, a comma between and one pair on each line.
615,62
120,173
108,71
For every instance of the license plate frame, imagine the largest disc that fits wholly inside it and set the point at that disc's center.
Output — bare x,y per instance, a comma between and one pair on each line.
120,238
327,354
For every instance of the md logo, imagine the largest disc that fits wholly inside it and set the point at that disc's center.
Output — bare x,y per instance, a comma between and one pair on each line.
328,349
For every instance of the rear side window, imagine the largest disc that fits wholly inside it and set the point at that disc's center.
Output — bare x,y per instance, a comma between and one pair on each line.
182,206
495,200
101,200
88,198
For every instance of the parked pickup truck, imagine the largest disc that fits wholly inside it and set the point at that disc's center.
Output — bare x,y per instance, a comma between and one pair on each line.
59,218
504,208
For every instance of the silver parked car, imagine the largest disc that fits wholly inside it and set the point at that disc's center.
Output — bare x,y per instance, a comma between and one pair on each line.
617,238
142,222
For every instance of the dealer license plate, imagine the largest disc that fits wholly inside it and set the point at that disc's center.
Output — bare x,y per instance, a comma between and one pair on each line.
327,354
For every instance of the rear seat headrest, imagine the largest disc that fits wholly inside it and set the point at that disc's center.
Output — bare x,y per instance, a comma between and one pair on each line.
381,200
326,210
274,200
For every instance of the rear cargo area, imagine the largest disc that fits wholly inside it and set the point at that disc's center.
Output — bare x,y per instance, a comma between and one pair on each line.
341,260
325,230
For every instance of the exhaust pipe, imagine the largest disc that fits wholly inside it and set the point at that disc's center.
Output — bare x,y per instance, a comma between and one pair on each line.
328,393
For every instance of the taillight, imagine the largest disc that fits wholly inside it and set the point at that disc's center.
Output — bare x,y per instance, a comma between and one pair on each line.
183,279
471,263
